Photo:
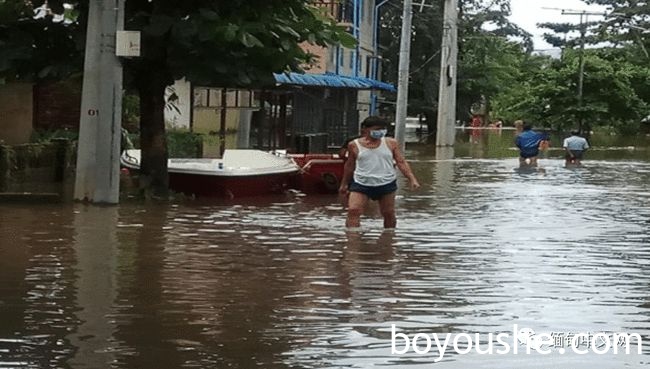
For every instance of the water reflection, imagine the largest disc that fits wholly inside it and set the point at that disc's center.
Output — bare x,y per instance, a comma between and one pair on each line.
96,250
277,283
37,300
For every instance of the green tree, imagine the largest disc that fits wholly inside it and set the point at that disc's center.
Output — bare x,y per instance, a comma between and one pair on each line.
38,45
489,44
628,22
615,91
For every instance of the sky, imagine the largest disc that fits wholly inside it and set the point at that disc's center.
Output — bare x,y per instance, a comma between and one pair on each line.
527,13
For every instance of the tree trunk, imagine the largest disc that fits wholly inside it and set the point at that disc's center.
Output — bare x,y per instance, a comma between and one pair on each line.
154,179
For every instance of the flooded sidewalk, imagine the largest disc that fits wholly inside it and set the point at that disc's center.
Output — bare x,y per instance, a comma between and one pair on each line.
278,283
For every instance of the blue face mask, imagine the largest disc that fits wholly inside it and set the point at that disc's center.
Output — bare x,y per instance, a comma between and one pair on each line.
377,134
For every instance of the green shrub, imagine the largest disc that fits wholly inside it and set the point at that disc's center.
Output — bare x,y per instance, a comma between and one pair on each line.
46,136
180,144
184,144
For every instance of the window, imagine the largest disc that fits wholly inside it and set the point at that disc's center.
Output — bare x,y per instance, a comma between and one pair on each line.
201,97
360,4
211,98
360,64
369,66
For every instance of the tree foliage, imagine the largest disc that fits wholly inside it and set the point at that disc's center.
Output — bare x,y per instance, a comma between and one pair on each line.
616,74
229,43
627,21
488,43
38,43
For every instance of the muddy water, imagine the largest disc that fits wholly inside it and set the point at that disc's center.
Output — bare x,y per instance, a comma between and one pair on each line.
276,283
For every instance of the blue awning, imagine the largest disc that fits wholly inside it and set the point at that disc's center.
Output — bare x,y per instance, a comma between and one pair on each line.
332,80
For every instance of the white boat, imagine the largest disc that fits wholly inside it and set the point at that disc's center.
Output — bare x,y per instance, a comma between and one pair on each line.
239,173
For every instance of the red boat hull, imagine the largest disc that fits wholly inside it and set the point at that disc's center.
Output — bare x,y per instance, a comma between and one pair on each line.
231,186
320,174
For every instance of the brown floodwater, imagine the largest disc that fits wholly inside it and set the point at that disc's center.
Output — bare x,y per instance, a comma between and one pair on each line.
276,282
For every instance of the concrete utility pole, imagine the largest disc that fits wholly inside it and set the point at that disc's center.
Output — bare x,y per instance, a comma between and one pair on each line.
403,74
581,56
446,128
98,166
581,69
581,75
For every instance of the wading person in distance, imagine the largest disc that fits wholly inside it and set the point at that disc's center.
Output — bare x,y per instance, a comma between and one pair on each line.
575,146
528,143
370,172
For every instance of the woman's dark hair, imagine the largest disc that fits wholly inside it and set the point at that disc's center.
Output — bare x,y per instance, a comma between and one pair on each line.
374,121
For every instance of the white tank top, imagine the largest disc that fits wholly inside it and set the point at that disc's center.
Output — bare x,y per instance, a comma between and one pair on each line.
374,167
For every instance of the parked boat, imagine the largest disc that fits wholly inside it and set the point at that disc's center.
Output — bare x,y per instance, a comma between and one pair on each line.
319,173
239,173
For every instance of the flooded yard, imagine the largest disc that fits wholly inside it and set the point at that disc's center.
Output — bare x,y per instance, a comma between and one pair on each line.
278,283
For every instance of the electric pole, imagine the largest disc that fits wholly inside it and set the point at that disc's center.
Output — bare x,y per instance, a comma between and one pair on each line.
98,155
446,127
403,74
581,57
581,76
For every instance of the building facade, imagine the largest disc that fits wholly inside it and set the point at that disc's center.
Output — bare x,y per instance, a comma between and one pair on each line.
340,89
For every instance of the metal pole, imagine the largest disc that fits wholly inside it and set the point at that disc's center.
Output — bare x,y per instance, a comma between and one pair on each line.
581,75
222,125
403,74
355,26
581,72
375,59
446,127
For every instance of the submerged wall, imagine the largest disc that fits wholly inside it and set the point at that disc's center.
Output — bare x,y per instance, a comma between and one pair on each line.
45,167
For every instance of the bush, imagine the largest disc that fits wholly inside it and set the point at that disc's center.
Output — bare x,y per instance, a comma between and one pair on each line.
631,128
180,144
184,144
46,136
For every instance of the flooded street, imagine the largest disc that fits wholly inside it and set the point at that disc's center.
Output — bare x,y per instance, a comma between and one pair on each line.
278,283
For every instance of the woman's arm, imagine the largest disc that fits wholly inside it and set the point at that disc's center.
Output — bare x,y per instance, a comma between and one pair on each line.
403,165
348,168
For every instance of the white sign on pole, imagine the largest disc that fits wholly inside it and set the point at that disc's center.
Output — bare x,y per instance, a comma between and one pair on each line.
127,43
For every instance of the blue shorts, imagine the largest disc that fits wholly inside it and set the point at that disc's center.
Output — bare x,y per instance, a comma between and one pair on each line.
528,153
374,192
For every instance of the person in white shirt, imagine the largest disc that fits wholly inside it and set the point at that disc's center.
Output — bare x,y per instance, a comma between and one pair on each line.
575,146
370,174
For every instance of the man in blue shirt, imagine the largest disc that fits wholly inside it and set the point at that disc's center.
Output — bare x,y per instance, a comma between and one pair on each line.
528,143
575,146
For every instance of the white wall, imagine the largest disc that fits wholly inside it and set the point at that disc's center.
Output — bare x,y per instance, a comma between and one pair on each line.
179,119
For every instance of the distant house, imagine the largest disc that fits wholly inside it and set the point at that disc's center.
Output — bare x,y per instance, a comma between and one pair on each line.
341,89
44,106
16,113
